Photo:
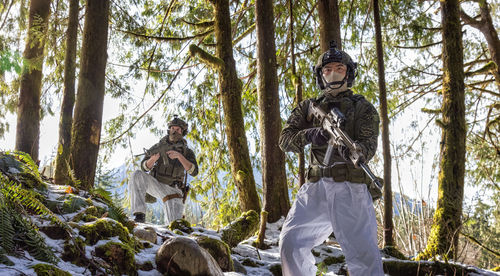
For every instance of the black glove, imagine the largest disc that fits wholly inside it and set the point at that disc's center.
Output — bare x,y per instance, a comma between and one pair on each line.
344,152
317,136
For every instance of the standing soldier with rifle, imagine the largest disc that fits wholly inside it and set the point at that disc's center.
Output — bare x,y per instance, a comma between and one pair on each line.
168,163
342,129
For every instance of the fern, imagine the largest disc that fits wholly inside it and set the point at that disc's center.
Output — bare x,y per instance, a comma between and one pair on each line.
35,243
115,212
7,232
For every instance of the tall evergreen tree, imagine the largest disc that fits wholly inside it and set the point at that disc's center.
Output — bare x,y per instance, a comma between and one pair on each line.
329,23
86,130
230,90
386,145
66,117
28,113
443,239
276,201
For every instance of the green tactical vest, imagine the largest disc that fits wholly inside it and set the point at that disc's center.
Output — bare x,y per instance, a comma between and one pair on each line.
173,172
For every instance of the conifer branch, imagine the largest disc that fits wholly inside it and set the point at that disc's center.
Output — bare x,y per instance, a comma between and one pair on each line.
206,57
167,38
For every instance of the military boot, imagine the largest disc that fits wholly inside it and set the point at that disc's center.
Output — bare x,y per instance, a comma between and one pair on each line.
140,217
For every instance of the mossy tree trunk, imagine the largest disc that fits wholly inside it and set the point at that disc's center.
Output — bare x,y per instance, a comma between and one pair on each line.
66,117
230,90
297,83
388,224
443,239
276,201
86,130
28,112
329,24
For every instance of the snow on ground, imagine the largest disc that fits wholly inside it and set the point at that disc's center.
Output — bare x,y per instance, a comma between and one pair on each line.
244,253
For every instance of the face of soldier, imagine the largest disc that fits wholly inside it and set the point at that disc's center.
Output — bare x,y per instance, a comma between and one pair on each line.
175,133
334,71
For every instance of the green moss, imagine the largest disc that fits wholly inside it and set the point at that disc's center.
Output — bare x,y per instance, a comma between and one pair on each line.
333,260
49,270
249,262
181,225
423,268
74,252
106,228
394,252
241,229
89,214
219,250
276,269
119,256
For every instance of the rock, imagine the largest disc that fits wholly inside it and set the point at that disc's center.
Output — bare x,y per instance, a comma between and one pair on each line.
119,256
147,234
241,229
55,232
182,225
49,270
219,250
238,267
184,257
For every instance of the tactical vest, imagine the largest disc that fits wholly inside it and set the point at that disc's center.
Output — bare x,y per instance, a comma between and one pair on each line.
173,172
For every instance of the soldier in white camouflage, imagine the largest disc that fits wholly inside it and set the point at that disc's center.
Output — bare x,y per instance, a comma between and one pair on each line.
335,197
163,173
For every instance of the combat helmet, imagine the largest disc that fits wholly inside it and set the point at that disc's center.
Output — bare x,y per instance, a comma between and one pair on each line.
180,123
335,55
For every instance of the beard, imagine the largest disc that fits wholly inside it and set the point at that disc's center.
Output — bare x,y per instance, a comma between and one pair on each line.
174,136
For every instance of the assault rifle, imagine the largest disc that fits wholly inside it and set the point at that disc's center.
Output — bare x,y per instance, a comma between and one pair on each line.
333,122
162,148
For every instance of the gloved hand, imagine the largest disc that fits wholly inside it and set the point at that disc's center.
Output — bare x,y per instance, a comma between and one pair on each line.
344,152
317,136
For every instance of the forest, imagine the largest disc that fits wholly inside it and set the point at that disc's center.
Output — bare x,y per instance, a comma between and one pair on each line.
108,75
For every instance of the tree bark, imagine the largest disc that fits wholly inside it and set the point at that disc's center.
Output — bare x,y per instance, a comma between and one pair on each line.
329,24
230,90
66,118
443,239
86,131
276,201
28,113
388,224
297,83
485,25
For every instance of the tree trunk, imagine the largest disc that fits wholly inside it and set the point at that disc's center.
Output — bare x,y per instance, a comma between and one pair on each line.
445,230
62,159
28,113
329,24
230,90
388,224
86,131
276,201
297,83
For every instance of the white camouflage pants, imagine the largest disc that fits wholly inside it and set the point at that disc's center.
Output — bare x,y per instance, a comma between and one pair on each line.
320,208
141,183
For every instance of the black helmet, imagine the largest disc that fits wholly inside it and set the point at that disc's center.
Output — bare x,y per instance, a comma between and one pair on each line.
180,123
335,55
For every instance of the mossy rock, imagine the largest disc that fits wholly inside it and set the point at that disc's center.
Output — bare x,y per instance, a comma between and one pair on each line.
74,252
249,262
106,228
241,229
55,232
276,269
396,268
119,256
49,270
69,203
393,252
181,225
147,266
89,214
333,260
219,250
